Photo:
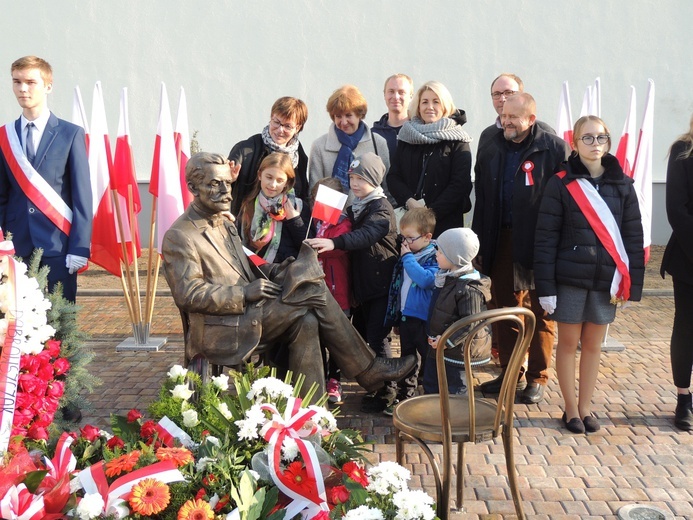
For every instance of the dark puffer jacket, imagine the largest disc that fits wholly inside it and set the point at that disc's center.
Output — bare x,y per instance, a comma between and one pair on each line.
372,246
447,182
457,299
567,250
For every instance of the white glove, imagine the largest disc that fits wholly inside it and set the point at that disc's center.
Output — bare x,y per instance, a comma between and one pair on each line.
74,263
548,303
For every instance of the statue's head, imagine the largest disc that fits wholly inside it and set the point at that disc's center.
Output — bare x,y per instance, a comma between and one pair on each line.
209,179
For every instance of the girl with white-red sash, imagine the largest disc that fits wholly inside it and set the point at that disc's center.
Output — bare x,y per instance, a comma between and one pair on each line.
588,257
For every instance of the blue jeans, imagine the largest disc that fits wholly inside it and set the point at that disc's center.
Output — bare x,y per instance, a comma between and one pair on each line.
454,374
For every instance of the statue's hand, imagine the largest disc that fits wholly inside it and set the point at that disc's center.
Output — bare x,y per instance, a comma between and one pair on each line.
261,288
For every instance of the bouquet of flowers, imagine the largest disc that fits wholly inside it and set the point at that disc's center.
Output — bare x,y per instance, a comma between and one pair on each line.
248,450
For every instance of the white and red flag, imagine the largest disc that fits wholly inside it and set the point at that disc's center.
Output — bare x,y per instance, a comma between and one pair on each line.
592,100
564,125
165,180
79,114
104,242
329,204
124,181
642,171
181,137
627,145
257,260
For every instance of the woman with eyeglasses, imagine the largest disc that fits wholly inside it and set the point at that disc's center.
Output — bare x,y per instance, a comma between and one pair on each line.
678,262
287,118
347,138
588,256
433,164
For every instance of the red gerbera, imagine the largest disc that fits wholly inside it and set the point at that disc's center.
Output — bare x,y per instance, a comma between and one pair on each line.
355,473
297,473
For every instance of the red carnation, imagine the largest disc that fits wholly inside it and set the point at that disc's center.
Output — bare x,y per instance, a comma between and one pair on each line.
55,389
201,494
53,347
90,433
37,433
45,372
322,515
148,429
133,415
60,366
223,502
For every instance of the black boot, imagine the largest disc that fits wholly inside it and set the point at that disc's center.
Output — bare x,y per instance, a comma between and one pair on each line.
684,413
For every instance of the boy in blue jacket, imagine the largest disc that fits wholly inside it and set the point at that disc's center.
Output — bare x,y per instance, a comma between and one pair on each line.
410,293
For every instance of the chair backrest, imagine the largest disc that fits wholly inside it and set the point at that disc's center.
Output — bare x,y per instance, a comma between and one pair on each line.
524,320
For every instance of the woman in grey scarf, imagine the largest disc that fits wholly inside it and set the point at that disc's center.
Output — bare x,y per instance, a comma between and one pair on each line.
433,163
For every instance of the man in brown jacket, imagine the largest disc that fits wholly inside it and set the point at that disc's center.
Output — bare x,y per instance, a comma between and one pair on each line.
234,306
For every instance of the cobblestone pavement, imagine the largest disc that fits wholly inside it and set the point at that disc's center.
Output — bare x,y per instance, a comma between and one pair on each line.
637,457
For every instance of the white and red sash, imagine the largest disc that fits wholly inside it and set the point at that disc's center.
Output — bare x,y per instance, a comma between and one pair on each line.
35,187
602,222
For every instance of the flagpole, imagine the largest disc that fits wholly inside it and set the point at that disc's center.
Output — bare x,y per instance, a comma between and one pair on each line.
310,222
131,215
148,296
126,295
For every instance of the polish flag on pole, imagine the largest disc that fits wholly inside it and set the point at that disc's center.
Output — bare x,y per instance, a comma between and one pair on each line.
586,108
79,115
165,180
181,137
642,171
257,260
329,204
564,125
104,242
597,98
124,181
627,145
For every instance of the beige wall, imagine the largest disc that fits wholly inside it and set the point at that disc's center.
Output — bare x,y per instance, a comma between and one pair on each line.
235,58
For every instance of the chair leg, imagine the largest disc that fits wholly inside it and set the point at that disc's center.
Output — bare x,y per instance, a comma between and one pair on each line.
509,449
399,448
461,446
442,500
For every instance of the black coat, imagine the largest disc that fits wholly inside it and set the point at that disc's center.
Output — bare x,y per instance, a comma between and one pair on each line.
447,181
567,250
249,154
546,152
372,246
678,255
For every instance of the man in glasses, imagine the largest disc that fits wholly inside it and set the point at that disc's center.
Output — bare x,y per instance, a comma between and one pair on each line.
512,169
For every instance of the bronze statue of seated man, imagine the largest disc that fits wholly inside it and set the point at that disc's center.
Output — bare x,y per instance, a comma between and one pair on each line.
234,306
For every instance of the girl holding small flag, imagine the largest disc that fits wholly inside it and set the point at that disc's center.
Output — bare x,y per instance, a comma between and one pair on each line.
588,257
270,221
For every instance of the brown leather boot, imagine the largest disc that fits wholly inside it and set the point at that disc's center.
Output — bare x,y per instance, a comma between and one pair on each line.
385,369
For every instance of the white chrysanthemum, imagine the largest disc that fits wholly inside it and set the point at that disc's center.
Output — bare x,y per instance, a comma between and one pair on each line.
269,389
413,505
75,485
91,506
177,371
247,429
388,477
224,409
289,449
257,414
190,419
364,513
324,418
221,382
182,392
203,462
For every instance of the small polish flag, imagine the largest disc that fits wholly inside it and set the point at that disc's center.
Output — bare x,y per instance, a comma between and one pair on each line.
329,204
255,259
564,126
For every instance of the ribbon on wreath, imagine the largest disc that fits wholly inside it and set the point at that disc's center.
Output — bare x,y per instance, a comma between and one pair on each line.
93,480
20,504
291,425
64,460
11,352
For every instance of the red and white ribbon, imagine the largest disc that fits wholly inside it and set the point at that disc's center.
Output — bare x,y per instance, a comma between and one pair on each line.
292,425
604,225
34,186
93,480
528,167
64,460
19,504
11,350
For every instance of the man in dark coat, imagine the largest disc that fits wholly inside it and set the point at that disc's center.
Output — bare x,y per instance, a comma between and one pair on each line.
234,306
511,172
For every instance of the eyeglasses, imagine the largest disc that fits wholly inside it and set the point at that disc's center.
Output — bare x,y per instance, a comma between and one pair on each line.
410,240
505,93
601,139
278,124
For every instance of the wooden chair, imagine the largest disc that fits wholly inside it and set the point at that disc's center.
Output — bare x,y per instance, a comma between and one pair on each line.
446,419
